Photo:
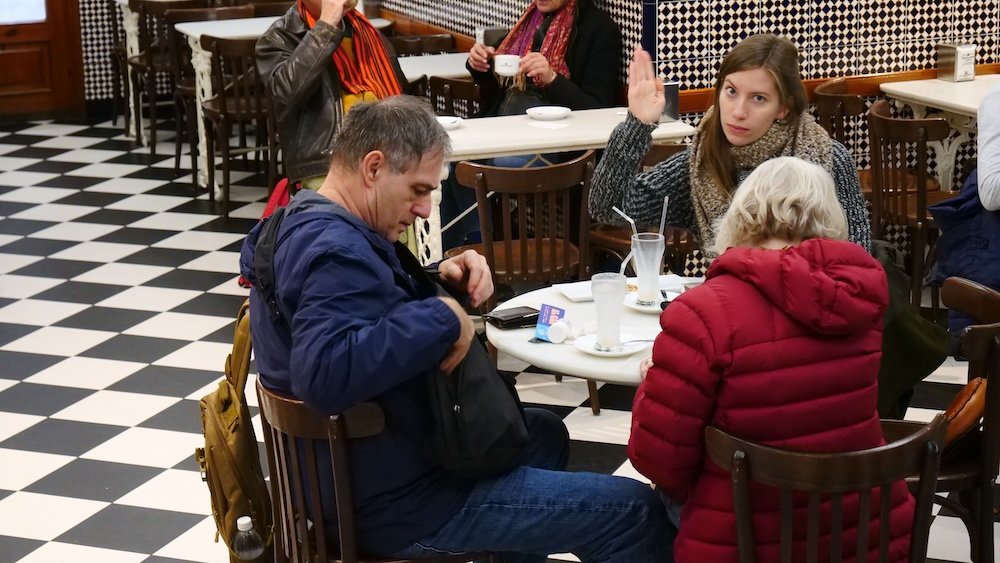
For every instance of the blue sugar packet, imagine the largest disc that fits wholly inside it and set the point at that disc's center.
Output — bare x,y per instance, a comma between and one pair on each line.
546,318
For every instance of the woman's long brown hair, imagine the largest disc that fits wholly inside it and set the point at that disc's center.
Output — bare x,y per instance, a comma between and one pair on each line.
780,58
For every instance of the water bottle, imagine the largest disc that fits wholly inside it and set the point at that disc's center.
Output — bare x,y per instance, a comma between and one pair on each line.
247,543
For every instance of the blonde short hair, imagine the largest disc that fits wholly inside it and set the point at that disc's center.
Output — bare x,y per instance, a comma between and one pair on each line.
786,198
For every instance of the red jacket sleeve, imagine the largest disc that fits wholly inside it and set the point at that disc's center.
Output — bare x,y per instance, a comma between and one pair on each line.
674,403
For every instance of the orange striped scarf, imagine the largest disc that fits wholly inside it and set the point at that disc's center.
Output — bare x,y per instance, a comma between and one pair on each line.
518,41
373,71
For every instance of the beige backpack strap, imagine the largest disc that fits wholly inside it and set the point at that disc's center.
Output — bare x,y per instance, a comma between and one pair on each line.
238,362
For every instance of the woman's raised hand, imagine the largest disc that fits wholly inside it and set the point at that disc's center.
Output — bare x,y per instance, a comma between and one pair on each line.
645,89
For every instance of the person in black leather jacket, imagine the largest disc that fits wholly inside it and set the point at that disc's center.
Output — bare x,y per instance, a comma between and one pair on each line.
298,63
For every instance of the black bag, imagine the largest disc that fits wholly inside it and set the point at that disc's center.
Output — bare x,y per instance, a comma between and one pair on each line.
516,101
479,424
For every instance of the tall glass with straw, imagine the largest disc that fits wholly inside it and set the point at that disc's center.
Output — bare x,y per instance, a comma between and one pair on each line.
647,255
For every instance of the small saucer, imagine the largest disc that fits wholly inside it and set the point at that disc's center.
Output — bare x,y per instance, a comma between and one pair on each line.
449,122
651,309
548,113
586,344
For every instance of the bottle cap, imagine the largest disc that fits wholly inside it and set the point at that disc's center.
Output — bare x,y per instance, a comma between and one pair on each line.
244,523
559,331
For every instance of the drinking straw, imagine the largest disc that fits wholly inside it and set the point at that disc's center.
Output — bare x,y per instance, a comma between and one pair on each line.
627,218
663,216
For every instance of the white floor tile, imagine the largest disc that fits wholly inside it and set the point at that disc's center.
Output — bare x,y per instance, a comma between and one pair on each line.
610,427
54,340
7,239
11,262
43,517
248,211
247,193
93,251
180,491
52,130
197,544
115,407
85,373
208,356
126,186
105,170
7,383
86,156
20,287
226,262
231,287
38,312
193,240
122,274
626,470
68,143
56,552
75,231
12,423
56,212
5,148
172,221
150,298
949,540
146,202
22,468
181,326
211,387
14,163
24,178
544,389
36,194
951,371
916,414
148,447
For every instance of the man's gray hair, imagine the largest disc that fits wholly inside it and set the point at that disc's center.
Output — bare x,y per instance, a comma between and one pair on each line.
403,127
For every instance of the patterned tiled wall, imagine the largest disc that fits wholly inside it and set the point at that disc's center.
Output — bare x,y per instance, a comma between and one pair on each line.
97,40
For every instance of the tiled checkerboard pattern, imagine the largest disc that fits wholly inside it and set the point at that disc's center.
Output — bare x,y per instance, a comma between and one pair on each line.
117,298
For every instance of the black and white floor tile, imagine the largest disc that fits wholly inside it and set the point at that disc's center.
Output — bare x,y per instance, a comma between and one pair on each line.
117,297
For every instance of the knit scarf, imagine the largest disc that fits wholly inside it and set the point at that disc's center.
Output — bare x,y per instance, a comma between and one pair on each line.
370,70
518,41
710,201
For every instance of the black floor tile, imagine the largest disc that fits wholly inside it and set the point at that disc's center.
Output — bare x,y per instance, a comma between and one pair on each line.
20,365
94,480
180,189
155,174
183,416
223,335
596,456
202,206
164,380
70,181
28,151
139,158
172,257
56,268
230,225
115,145
212,304
44,400
22,226
94,199
615,397
14,549
10,332
129,348
106,318
930,395
104,132
235,246
115,527
53,166
114,217
80,292
189,279
66,437
38,246
8,208
132,235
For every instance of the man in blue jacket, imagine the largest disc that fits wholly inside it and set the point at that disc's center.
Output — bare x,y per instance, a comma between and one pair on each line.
360,329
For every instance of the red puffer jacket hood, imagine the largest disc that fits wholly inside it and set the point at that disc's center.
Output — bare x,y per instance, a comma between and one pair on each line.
828,286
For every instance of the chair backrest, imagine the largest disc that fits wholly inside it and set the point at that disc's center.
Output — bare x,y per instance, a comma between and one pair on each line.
406,46
437,43
494,35
980,344
295,437
227,3
835,105
445,92
827,478
180,49
899,160
539,206
235,80
975,300
417,87
270,8
155,32
114,15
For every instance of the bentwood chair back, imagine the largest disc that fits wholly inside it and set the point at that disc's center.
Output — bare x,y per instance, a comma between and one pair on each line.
279,9
899,148
302,445
809,482
444,92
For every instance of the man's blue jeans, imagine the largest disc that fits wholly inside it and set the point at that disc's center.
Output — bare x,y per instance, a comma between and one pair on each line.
539,509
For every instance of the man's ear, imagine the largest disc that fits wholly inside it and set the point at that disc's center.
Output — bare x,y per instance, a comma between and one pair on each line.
370,166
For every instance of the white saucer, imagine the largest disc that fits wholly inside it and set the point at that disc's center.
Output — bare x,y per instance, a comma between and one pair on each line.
586,344
548,113
631,304
449,122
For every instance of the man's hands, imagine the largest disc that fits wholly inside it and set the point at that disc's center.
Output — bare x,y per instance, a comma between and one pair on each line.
645,89
479,57
537,67
470,273
333,10
460,348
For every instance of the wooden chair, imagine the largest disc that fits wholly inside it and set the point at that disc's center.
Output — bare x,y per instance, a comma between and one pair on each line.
406,46
261,9
120,91
299,442
972,472
417,87
615,242
155,56
183,76
827,478
437,43
895,142
241,99
444,92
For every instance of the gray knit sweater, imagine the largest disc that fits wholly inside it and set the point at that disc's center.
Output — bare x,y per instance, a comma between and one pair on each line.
640,195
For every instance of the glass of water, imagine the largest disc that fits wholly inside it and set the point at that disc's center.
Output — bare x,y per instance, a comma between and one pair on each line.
609,296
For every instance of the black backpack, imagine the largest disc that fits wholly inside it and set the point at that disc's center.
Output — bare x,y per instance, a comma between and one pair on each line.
479,424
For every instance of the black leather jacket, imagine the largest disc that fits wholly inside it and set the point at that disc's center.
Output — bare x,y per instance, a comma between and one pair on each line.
297,65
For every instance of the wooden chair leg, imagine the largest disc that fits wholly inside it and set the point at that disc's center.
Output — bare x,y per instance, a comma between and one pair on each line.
210,162
224,149
595,401
191,113
136,105
116,87
180,118
151,96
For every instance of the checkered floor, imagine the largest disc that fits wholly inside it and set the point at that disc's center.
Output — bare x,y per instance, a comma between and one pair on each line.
117,294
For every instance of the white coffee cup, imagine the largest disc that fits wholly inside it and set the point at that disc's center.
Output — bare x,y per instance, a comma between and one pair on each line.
506,65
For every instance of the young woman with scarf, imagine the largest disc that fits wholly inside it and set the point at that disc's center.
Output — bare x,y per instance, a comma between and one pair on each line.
760,112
